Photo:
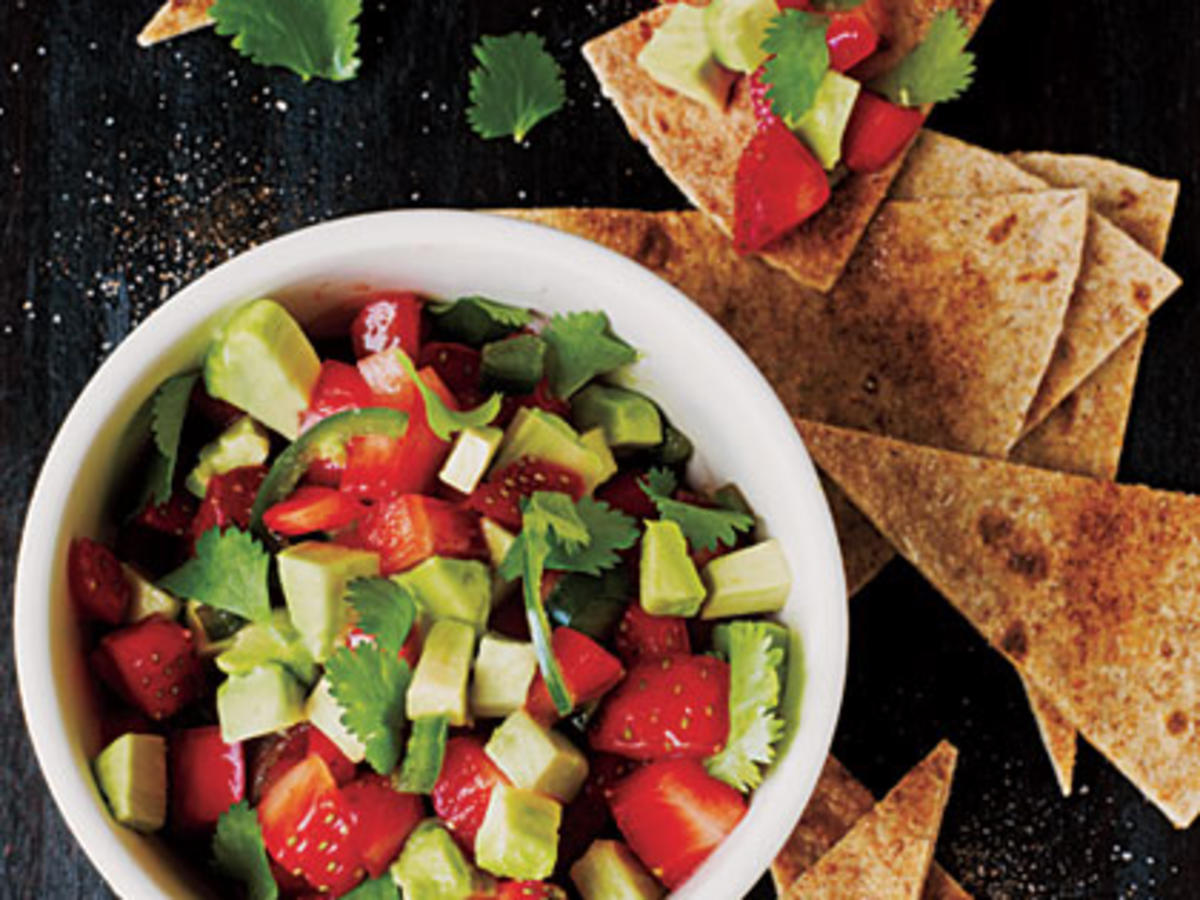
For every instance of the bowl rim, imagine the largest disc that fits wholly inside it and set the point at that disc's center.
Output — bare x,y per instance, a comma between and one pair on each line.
194,305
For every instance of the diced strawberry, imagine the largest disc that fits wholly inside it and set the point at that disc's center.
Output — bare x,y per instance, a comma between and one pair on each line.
207,777
99,587
290,885
541,398
851,38
624,492
312,508
779,186
529,890
389,320
383,818
229,499
878,132
173,517
408,529
499,498
217,412
460,369
339,387
271,757
673,814
672,706
588,669
307,827
643,636
587,816
464,787
152,664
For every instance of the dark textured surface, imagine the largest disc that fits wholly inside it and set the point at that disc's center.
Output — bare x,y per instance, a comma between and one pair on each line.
126,173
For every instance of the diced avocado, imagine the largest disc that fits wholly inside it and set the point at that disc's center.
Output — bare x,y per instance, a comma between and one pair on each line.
675,449
148,598
752,580
670,585
499,541
736,29
432,867
541,435
678,57
263,364
132,774
314,575
258,702
516,364
628,418
592,604
273,641
537,758
823,126
595,441
212,629
610,871
470,457
447,588
504,669
325,713
244,443
439,684
519,834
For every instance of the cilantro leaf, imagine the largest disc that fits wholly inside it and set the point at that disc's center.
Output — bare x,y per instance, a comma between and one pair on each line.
443,420
381,888
424,755
798,62
938,69
704,528
167,409
516,85
582,536
369,684
477,320
755,663
228,572
239,853
313,38
386,610
582,346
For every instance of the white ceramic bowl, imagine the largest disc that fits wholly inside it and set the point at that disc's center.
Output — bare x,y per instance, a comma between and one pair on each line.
703,381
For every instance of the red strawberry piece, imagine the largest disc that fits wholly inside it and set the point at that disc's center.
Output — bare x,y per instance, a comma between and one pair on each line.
173,517
271,757
464,787
587,817
389,320
673,814
499,498
459,367
541,398
759,102
207,777
408,529
99,587
383,818
851,38
529,890
311,508
667,707
588,669
152,664
624,492
878,131
339,387
307,827
117,719
779,185
643,636
228,500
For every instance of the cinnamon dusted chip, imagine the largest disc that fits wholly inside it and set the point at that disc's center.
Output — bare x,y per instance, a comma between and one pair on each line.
176,17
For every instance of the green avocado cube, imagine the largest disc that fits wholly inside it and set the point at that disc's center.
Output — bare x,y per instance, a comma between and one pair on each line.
244,443
595,441
445,588
432,867
439,683
823,126
746,582
610,871
519,835
499,541
504,669
670,585
314,575
132,774
212,629
148,598
263,700
736,29
325,714
542,435
678,56
537,758
470,457
629,419
516,363
263,363
273,641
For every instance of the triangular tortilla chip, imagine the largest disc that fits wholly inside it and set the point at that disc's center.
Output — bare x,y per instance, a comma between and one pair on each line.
886,855
1091,588
174,18
905,342
838,801
1119,286
698,147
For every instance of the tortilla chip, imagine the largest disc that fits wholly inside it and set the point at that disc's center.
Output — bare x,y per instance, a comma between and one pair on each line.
838,801
698,147
887,853
1119,286
1091,588
174,18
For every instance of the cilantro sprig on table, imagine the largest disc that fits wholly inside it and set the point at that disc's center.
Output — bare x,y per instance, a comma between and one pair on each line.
167,409
799,59
703,527
515,85
940,68
239,852
313,38
443,420
583,346
228,572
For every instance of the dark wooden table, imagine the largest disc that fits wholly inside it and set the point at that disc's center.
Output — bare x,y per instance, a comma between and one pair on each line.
124,174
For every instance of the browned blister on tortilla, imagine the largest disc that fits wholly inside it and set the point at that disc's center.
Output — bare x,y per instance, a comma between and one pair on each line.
1091,588
176,17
